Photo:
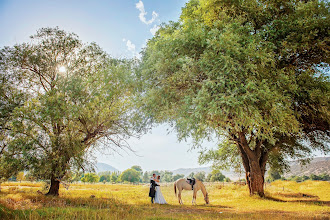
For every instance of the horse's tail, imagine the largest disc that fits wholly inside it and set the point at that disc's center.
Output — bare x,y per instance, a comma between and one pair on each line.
175,188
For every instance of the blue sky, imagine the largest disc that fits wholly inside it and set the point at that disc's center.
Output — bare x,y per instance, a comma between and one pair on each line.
107,22
120,27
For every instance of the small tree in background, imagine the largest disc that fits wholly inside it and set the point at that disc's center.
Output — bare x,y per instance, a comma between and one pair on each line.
177,176
145,177
167,176
130,175
273,175
200,176
216,176
191,175
20,176
90,178
114,177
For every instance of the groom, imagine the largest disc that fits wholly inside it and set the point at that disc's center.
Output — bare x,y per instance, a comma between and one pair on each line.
153,184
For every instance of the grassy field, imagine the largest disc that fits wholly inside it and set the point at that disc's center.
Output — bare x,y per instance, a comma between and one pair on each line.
284,200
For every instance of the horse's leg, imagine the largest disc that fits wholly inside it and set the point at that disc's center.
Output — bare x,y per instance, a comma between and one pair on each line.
194,197
179,197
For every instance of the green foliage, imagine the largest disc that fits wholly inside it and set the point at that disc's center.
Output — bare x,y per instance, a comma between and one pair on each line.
137,168
273,175
146,177
11,162
20,176
67,113
130,175
167,176
250,74
177,176
90,178
216,176
114,177
200,176
227,179
321,177
191,175
104,178
224,157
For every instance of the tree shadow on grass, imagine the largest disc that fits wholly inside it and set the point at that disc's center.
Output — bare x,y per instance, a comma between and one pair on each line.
299,197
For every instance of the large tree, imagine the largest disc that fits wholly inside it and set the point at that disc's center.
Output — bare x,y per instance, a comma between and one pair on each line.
78,98
250,72
10,98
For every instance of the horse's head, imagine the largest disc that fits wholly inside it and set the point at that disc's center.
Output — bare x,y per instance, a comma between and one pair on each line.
206,198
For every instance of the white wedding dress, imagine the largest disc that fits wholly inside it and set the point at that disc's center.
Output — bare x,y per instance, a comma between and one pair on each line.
159,198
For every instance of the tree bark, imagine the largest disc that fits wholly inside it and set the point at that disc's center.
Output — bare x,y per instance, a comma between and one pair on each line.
54,187
256,178
254,162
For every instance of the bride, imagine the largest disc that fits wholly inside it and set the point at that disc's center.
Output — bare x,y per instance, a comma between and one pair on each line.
159,198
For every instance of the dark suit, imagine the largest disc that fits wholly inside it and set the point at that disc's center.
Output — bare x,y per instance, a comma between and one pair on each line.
152,191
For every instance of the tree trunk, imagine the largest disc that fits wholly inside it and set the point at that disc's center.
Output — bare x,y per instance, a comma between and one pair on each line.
256,179
54,187
254,162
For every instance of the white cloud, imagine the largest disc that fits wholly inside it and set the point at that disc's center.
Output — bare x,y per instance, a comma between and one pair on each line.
131,48
154,29
143,13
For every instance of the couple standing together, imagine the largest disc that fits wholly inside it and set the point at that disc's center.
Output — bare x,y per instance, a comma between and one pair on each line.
154,192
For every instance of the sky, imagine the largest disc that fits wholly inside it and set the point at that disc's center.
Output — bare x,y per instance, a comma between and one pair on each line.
121,28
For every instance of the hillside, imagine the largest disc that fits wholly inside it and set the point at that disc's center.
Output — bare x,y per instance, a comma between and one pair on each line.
317,166
102,167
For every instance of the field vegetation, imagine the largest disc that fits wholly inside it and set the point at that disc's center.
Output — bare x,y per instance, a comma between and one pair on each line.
284,200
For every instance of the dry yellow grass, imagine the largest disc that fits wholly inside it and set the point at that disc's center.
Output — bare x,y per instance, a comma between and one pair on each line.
284,200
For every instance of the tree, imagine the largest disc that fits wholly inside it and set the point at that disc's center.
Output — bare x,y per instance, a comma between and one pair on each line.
20,176
216,176
177,176
250,73
104,178
145,177
191,175
167,176
114,177
90,178
274,175
200,176
77,97
227,179
208,177
137,168
130,175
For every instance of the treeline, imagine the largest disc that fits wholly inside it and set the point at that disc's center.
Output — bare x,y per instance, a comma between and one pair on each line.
134,174
273,175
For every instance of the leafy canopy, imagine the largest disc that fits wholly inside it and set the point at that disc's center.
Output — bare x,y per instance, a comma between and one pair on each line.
78,98
255,68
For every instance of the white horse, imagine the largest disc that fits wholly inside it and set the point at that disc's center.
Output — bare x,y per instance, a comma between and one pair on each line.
182,184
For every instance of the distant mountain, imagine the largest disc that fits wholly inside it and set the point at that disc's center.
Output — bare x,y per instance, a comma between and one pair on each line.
187,171
102,167
317,166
